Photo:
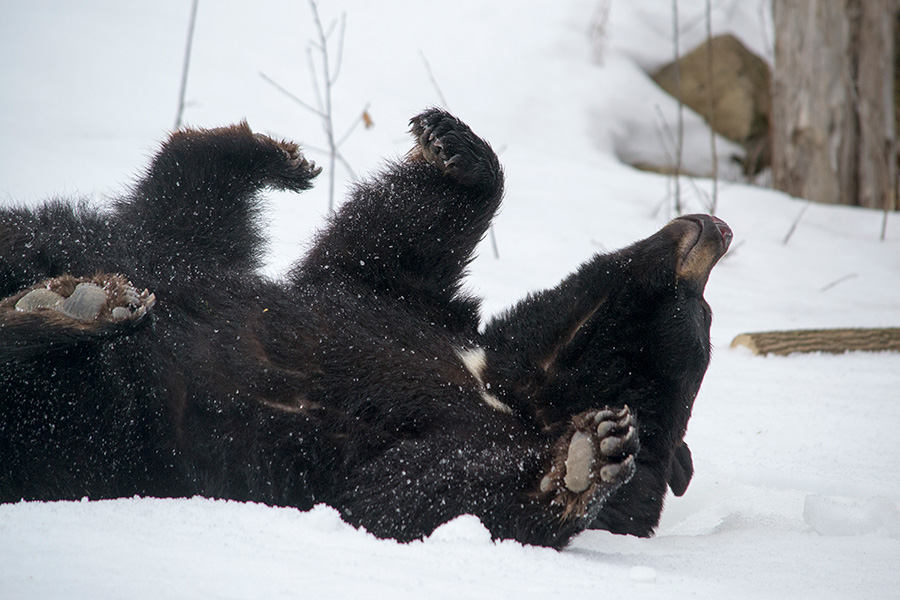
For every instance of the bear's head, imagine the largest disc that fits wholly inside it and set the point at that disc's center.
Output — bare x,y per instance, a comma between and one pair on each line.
648,344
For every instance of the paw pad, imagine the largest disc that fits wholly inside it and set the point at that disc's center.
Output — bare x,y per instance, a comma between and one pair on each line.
39,298
579,462
85,303
592,461
88,300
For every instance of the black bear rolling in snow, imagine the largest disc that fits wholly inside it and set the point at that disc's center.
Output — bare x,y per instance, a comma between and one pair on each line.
142,353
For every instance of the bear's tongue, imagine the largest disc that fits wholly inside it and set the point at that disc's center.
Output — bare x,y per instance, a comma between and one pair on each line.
724,229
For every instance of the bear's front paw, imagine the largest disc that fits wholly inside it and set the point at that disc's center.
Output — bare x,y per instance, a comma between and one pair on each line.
447,143
102,299
291,170
591,461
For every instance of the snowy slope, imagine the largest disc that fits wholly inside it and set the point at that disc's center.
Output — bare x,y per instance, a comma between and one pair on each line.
797,462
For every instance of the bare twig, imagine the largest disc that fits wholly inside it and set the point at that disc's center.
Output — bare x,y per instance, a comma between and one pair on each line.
679,147
664,142
354,125
794,225
186,64
324,98
278,87
839,280
323,76
340,48
712,110
884,217
434,82
599,22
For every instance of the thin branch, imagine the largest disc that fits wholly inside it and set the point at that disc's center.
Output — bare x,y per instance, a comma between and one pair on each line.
187,61
433,80
317,92
274,84
794,225
323,79
324,97
599,21
340,49
347,166
354,125
663,127
679,148
330,30
712,110
840,280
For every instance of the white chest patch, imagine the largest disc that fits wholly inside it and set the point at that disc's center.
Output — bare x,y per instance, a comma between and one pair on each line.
475,362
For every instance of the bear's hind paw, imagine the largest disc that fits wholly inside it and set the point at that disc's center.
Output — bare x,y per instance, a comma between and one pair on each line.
87,301
591,461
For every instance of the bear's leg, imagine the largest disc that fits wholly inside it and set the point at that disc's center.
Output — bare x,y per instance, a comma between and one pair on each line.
64,311
521,487
197,205
412,230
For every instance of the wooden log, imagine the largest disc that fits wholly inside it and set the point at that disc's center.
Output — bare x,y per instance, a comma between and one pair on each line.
835,341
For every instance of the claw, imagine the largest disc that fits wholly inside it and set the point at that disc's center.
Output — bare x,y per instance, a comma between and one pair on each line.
603,415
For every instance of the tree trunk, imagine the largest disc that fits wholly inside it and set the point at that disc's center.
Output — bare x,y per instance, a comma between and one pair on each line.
833,129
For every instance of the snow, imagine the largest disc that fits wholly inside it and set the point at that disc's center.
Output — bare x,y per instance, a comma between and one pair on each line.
797,482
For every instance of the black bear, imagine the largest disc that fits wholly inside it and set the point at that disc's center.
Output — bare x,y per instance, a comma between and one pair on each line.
142,353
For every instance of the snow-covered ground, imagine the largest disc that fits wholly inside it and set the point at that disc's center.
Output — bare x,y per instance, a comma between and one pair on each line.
797,459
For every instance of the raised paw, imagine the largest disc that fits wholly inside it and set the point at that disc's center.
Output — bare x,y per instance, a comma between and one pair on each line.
291,170
450,145
85,301
591,461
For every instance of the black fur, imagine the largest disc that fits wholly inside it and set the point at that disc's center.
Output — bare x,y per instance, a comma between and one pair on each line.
362,379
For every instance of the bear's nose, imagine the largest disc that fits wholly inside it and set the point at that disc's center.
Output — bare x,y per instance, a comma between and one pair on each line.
724,229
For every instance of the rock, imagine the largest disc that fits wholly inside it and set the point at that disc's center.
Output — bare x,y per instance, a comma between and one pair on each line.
741,97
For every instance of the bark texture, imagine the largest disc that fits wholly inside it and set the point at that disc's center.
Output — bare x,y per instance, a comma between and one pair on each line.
833,121
835,341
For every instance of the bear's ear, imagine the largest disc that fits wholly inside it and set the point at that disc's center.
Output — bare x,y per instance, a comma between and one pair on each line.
682,470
